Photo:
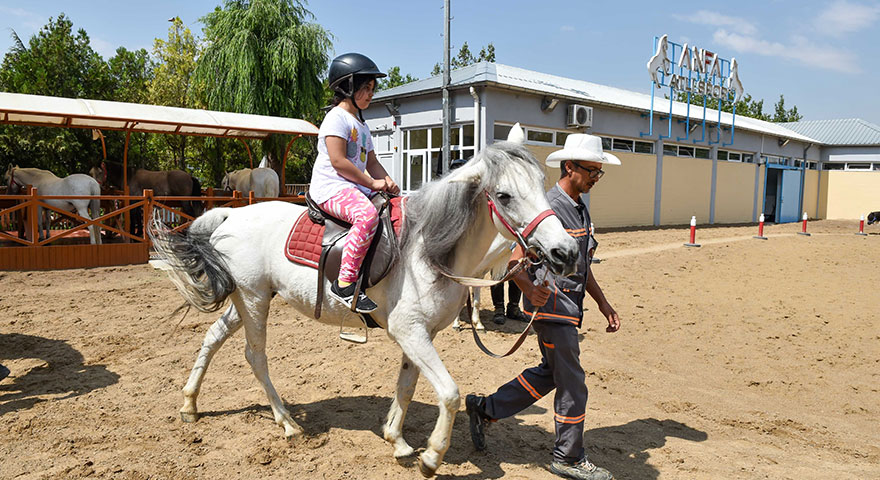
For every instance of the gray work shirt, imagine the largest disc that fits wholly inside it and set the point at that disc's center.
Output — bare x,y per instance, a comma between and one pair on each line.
566,302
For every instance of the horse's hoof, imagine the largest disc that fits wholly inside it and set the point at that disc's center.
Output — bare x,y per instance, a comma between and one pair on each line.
403,451
480,327
425,470
189,417
457,328
293,432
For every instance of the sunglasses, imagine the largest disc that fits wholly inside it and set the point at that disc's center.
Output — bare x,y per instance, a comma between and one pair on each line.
593,172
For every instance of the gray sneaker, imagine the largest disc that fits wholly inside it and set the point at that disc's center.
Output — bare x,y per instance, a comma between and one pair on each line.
582,470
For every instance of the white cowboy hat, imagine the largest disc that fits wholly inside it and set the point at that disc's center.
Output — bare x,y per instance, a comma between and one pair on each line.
581,146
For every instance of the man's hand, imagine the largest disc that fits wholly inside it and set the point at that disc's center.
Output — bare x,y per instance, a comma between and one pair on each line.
537,294
611,315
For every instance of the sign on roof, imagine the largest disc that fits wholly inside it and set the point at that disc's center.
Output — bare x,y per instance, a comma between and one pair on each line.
695,71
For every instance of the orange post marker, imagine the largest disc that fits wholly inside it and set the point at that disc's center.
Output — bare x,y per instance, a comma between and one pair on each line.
804,230
862,226
760,235
693,243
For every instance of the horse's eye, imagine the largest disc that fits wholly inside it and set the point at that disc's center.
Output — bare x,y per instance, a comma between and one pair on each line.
503,198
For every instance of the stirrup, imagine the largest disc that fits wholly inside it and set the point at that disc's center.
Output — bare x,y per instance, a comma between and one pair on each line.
352,336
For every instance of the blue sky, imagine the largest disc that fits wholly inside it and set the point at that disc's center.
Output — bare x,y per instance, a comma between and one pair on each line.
822,55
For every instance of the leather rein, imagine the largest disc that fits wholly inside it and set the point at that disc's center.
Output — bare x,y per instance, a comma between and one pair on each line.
532,257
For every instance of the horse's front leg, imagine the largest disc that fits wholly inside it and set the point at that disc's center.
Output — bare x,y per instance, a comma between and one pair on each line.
254,309
406,387
475,312
416,344
220,331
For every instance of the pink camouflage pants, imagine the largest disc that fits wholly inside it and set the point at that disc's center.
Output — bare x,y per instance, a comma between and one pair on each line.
352,206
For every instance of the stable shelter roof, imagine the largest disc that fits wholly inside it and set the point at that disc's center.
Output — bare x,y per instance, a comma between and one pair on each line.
22,109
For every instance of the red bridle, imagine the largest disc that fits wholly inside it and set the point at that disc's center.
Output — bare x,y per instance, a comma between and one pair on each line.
520,237
12,180
103,169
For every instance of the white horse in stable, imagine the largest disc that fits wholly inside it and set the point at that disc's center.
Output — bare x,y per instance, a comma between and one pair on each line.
447,230
47,183
262,181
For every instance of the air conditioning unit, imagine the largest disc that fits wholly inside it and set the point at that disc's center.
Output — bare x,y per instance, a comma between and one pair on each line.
580,116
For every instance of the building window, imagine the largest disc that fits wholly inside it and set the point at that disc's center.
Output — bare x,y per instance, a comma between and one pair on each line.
858,167
812,165
560,138
606,143
748,158
622,145
501,131
539,136
702,153
644,147
686,152
422,152
670,150
833,166
877,167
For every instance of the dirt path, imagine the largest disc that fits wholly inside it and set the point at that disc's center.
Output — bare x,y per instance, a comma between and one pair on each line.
740,359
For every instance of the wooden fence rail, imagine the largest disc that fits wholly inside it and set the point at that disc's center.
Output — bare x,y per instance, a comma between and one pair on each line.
22,248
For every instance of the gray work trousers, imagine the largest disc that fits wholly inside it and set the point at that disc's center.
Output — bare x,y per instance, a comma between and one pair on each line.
561,369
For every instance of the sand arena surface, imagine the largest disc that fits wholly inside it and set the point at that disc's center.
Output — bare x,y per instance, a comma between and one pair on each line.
741,359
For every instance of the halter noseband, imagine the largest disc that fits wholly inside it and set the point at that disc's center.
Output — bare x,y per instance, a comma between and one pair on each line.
528,230
13,181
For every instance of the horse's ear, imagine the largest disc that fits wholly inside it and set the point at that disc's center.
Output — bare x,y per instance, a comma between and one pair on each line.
516,134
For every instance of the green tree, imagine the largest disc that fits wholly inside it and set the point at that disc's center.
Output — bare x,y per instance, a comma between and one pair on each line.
395,79
172,84
783,115
264,57
55,62
131,73
745,106
465,58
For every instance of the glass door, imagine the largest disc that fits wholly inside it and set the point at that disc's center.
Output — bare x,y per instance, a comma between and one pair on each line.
414,170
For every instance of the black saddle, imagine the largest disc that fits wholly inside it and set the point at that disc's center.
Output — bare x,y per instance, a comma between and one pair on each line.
381,256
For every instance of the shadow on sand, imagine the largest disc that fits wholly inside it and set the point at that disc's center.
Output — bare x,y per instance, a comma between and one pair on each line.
63,374
623,449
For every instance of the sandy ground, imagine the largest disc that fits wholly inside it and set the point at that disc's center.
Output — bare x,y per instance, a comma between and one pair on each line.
741,359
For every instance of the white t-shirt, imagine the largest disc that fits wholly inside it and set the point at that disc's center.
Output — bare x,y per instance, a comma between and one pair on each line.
326,181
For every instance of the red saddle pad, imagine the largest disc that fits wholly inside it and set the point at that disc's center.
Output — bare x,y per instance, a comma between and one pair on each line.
303,244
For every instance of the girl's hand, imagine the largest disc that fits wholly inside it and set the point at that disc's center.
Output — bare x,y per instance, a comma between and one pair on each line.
380,185
392,187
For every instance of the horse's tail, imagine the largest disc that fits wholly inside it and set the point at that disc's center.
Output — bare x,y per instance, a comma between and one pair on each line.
198,270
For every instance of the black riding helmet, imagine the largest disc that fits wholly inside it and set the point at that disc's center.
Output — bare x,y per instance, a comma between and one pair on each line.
344,69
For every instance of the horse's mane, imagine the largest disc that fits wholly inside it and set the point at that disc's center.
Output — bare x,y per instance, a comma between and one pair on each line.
443,210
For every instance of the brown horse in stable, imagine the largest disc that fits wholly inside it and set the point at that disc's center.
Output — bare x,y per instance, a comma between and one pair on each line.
175,183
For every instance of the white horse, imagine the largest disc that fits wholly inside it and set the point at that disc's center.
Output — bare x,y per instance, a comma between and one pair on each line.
733,82
239,253
495,262
47,183
262,181
659,61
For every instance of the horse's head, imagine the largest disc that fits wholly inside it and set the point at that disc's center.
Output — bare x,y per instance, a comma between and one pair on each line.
511,180
13,187
99,173
225,184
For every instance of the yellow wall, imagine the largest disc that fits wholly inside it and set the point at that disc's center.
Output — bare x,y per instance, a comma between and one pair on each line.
625,195
551,175
687,184
811,190
823,195
734,192
851,194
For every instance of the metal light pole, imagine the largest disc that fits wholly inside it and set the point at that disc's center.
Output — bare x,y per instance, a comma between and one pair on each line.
446,87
